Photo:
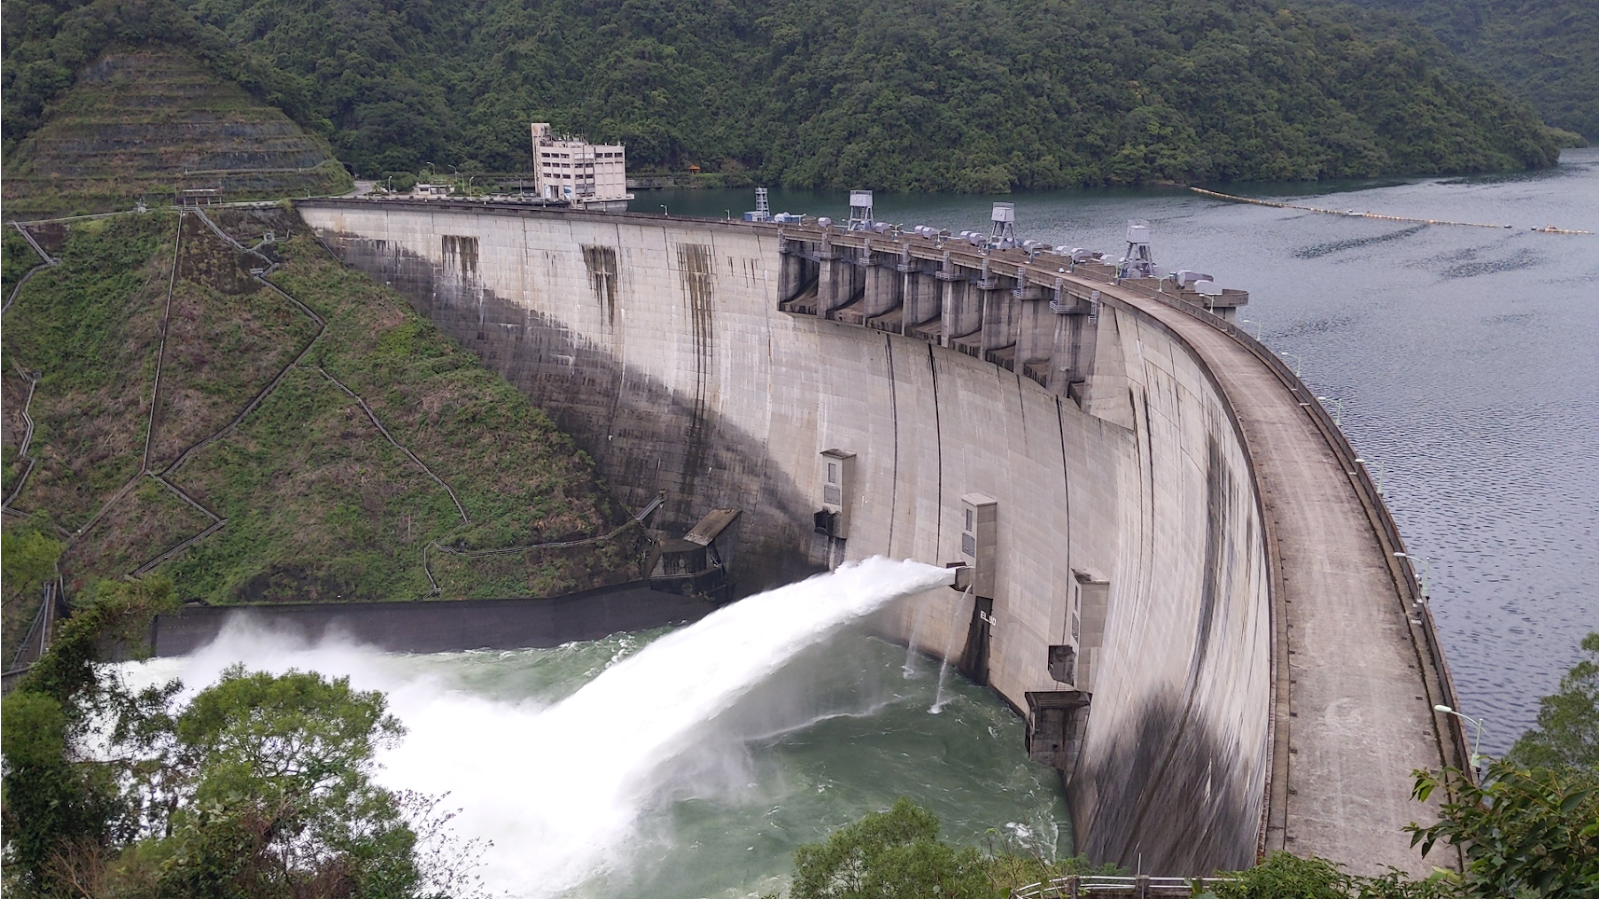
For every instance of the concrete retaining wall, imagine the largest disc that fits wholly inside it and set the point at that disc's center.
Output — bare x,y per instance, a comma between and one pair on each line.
659,344
419,626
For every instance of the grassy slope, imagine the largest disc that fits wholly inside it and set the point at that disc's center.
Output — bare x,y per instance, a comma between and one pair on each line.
90,327
319,506
144,122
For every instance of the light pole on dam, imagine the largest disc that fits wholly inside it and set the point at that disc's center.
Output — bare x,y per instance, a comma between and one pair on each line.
1178,573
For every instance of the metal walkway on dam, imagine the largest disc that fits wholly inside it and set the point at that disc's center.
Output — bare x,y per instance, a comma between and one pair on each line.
734,365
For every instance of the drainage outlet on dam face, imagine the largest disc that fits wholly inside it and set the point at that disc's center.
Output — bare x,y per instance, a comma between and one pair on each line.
962,576
978,531
836,474
1056,722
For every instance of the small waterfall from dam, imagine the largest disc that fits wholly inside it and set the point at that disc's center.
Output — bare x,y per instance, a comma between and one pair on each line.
944,661
635,760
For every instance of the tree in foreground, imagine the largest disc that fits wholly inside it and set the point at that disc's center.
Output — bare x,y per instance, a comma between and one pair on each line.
261,786
1529,828
1565,737
898,853
1526,832
888,854
1284,875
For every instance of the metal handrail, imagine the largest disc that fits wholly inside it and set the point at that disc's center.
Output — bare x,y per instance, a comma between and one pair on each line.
1139,886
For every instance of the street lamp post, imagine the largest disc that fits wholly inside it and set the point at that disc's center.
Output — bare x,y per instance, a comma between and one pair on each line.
1379,482
1297,361
1246,321
1338,410
1422,579
663,209
1477,737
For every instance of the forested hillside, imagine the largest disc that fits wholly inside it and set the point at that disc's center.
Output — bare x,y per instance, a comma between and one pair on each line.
1542,51
141,123
976,95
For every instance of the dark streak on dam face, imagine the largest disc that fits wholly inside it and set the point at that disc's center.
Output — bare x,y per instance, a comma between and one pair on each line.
1125,527
699,290
602,265
645,438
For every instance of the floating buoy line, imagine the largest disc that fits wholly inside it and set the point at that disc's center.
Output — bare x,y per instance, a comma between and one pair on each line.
1351,213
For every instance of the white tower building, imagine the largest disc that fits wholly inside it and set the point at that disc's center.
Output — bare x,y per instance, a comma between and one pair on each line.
589,176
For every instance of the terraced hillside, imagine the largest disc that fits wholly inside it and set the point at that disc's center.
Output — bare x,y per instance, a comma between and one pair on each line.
264,424
147,122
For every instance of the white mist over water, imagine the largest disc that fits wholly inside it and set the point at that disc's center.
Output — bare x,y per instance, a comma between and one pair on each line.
560,788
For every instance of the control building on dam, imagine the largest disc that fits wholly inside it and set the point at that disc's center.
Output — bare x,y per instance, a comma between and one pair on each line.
1177,570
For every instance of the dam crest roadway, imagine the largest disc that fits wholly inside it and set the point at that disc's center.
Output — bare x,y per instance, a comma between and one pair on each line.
1178,572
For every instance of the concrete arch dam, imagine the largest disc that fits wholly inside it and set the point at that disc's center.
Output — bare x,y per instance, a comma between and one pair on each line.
1178,573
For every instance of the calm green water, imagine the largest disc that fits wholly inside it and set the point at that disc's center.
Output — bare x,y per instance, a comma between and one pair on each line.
1465,360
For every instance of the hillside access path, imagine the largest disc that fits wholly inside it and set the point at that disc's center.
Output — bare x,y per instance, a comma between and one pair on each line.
1360,719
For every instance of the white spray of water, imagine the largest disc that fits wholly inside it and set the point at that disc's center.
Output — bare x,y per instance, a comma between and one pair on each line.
909,669
559,789
944,663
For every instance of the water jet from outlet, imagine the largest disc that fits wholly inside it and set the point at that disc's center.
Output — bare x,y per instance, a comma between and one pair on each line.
559,788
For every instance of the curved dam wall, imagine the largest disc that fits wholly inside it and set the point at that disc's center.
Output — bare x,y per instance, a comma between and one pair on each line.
1127,616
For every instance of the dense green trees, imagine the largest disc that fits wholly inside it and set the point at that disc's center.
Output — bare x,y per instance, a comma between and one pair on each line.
969,95
1532,827
1526,832
258,787
974,95
48,43
898,853
1565,737
1542,51
887,854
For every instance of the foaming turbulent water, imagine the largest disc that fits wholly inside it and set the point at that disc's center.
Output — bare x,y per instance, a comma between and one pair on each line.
610,769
